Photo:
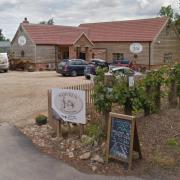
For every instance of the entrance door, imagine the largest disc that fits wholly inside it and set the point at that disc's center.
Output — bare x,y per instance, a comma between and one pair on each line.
82,55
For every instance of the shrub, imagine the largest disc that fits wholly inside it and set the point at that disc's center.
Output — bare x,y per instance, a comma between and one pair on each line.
41,119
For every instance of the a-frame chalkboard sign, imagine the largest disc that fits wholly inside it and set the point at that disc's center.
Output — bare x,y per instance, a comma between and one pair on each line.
122,138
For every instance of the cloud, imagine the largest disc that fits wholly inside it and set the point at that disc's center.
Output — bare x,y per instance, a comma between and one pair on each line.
74,12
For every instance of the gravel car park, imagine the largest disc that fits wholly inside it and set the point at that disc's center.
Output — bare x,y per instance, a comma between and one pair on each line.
24,94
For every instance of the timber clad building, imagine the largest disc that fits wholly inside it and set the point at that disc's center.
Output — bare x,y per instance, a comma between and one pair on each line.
147,42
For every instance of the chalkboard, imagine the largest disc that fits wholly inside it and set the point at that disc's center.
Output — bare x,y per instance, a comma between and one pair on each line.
120,137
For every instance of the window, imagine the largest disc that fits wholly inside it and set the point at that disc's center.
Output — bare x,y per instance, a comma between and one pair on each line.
167,58
65,55
22,53
118,56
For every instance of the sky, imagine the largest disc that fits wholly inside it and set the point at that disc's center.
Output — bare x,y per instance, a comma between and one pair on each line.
74,12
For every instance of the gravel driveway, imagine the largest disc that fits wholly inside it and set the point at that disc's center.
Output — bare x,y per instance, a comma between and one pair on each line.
24,94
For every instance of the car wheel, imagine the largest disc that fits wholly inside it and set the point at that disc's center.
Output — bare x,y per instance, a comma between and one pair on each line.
5,70
73,73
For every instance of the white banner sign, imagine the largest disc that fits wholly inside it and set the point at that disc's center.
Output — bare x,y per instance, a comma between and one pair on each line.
131,81
70,105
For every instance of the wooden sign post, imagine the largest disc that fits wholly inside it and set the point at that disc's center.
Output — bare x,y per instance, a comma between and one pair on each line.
66,106
122,138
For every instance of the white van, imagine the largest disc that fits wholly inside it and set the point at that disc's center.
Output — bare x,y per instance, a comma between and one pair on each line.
4,62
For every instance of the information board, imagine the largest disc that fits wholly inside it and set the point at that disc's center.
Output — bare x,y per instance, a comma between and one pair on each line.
122,138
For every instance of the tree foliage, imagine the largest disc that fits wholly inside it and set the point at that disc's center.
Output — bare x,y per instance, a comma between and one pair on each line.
145,95
167,11
173,16
2,37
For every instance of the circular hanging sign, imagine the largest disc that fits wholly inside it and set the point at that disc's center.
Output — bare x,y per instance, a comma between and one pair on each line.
68,103
21,40
136,48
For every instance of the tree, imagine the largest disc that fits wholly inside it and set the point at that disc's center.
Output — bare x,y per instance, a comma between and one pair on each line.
167,11
49,22
2,37
177,21
174,18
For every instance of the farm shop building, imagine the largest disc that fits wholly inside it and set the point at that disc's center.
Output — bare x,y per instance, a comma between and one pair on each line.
146,42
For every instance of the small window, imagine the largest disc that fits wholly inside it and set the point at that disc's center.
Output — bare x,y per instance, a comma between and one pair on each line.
65,55
118,56
167,58
22,53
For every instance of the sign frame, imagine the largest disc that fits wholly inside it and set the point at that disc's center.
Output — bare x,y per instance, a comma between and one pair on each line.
134,141
74,95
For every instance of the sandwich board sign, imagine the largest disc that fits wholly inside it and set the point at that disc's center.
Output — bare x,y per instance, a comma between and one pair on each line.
122,138
69,105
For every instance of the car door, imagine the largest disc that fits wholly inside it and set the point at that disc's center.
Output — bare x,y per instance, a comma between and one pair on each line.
83,65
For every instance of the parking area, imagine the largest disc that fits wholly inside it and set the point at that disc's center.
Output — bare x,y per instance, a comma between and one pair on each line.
24,94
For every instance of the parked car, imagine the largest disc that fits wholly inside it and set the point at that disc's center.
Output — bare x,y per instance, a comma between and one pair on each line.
4,62
71,67
124,71
119,63
92,66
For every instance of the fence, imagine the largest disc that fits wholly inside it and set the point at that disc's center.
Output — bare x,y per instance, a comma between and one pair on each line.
90,109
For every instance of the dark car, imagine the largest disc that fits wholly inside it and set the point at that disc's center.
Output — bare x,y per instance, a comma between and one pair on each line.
91,67
71,67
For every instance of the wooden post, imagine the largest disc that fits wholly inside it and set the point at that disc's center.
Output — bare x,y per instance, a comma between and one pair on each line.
81,130
108,81
56,125
147,109
50,115
172,91
158,97
59,129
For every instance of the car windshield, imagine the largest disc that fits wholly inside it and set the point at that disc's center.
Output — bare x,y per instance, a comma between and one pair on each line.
128,72
3,58
63,63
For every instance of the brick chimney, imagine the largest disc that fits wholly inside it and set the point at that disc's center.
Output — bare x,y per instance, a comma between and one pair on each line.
25,20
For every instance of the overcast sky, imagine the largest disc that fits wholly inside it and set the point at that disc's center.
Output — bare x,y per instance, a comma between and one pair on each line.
74,12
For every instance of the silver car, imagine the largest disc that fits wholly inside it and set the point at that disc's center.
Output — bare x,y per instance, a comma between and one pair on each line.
4,62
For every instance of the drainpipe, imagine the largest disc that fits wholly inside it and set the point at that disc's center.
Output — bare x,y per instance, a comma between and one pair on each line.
35,60
149,55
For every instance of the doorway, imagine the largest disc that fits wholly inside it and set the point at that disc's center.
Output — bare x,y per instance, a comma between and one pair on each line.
82,55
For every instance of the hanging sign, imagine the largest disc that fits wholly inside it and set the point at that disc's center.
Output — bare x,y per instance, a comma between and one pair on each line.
122,138
136,48
69,105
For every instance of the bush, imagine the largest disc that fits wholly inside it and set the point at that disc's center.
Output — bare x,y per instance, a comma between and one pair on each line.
41,119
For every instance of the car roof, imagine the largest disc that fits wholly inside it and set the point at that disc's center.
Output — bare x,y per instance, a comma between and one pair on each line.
100,60
117,68
73,60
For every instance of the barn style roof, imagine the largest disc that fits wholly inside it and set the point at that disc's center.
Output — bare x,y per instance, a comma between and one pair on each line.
117,31
53,34
130,30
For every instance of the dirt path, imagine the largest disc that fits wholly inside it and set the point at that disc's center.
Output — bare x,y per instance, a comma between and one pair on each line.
23,94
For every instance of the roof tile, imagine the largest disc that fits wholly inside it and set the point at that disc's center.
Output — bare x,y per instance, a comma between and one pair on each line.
117,31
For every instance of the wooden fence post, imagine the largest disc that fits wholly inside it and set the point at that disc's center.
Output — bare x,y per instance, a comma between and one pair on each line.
108,81
172,91
147,109
158,96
